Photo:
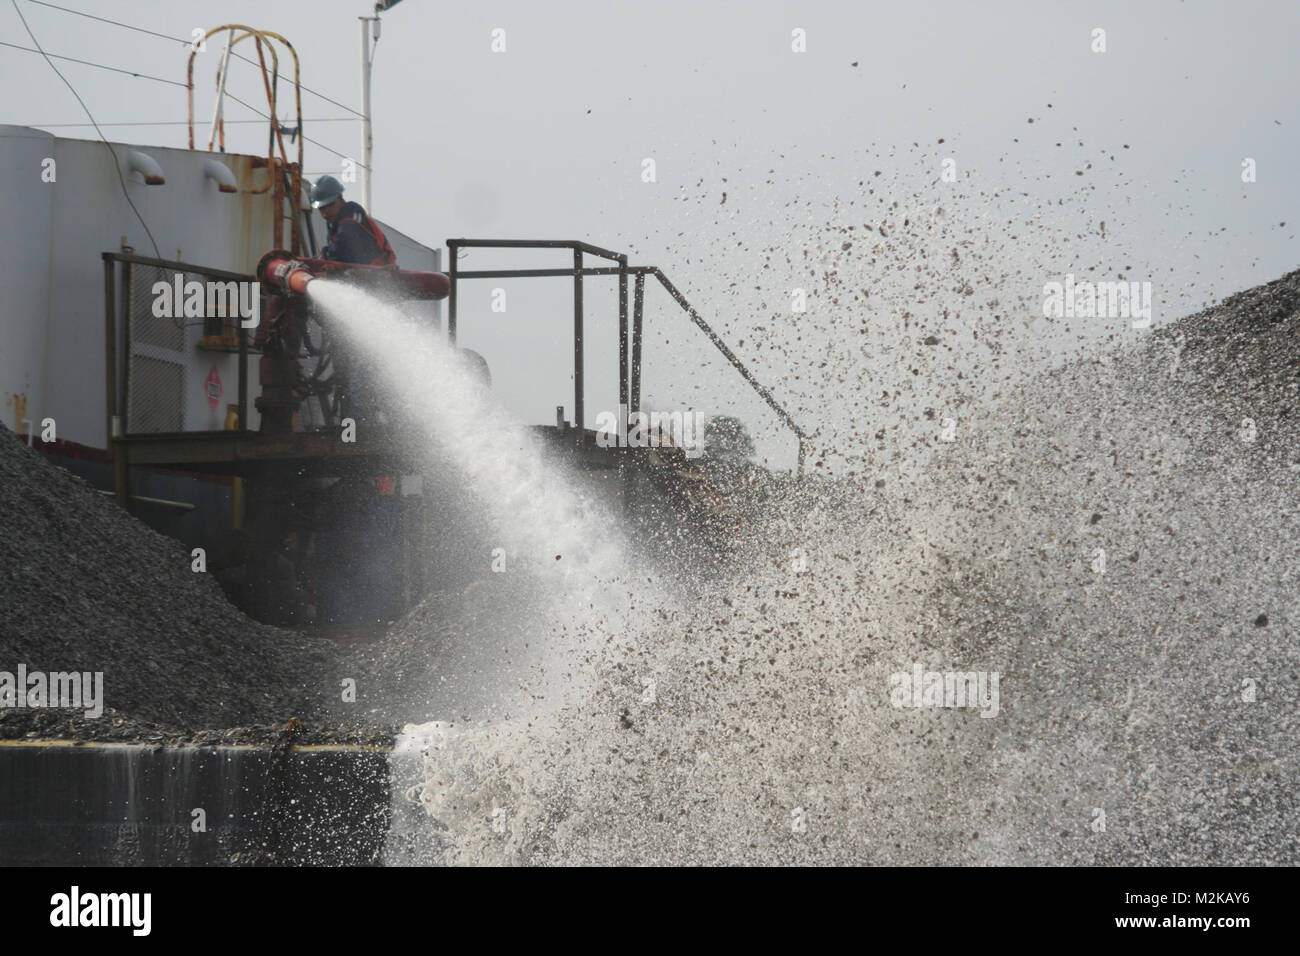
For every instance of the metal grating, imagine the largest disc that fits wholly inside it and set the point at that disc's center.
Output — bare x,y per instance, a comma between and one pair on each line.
147,328
171,372
156,375
156,394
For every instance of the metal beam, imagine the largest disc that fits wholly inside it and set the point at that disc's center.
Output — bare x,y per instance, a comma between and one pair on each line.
452,275
591,250
110,350
178,266
721,346
577,347
243,374
124,310
121,475
574,244
638,306
224,452
540,273
513,243
622,335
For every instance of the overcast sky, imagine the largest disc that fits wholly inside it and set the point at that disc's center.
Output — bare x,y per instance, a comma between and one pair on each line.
548,139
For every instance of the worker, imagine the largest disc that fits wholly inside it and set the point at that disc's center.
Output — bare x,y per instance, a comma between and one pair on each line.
353,236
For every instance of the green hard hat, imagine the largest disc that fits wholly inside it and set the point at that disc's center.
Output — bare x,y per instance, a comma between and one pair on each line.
326,190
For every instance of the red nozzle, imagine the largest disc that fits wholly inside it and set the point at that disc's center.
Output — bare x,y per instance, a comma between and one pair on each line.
279,271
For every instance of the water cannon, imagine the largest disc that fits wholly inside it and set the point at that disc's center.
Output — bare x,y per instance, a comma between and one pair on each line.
283,273
280,272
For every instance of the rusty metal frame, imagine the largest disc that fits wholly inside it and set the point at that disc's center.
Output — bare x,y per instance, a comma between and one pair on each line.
280,190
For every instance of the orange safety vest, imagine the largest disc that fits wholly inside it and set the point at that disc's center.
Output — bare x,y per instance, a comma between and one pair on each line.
386,257
352,212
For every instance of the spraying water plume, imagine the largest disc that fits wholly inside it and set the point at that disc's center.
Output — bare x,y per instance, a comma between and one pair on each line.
760,723
571,593
437,395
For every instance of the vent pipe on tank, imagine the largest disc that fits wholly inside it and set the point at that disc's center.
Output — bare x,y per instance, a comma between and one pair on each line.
220,174
138,162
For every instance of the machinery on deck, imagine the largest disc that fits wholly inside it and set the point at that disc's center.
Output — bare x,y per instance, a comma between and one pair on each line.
281,272
222,430
352,532
286,335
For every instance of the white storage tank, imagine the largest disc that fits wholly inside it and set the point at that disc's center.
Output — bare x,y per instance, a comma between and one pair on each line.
26,156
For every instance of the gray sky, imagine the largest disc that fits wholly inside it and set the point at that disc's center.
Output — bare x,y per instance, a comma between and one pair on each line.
547,139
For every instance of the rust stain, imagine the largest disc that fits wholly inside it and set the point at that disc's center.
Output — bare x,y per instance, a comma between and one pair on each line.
18,402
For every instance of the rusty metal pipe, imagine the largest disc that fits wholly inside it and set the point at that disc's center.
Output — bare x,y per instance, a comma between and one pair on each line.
280,271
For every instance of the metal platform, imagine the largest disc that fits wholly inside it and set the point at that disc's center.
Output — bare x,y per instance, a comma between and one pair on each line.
248,454
377,449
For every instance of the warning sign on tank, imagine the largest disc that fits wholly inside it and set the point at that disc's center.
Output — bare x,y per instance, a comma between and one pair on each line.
212,388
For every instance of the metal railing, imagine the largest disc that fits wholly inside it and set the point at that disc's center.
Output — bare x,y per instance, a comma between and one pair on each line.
149,358
143,394
629,354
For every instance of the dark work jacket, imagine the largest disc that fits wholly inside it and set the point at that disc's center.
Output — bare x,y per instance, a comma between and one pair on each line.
354,237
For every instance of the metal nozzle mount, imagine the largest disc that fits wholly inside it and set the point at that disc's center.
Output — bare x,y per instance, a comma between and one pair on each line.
280,271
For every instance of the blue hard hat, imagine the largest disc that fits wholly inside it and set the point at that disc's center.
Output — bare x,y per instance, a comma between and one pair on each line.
326,190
